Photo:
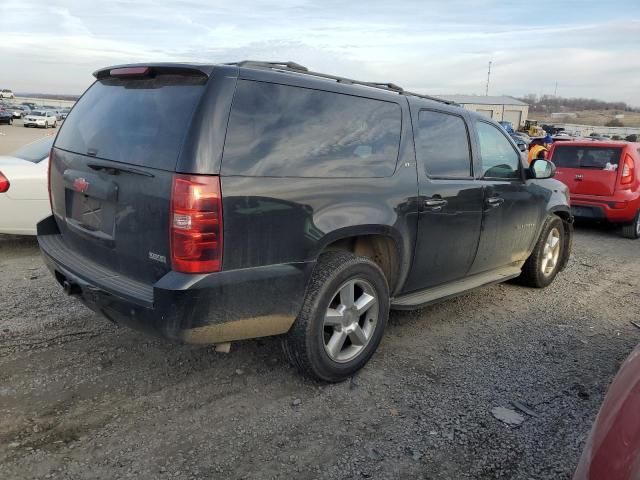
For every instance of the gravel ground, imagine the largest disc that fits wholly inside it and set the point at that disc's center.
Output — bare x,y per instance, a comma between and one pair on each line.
83,399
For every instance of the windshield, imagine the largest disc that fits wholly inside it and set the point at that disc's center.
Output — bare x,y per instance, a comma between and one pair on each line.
139,121
36,151
38,113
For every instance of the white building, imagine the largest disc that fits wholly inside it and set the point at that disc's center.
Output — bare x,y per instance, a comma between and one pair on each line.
499,108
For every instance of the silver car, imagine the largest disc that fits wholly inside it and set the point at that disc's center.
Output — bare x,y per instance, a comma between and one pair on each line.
18,111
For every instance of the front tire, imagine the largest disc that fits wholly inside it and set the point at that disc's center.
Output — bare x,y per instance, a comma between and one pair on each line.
632,230
543,264
342,319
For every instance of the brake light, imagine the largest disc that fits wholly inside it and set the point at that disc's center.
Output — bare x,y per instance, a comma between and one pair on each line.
196,224
130,72
628,169
4,183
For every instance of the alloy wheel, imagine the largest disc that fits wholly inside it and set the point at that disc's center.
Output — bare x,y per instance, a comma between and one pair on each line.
350,320
550,252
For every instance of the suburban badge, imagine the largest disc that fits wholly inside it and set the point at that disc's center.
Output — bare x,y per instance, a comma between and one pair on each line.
157,257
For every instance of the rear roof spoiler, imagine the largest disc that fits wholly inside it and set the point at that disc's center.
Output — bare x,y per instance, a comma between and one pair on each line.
154,68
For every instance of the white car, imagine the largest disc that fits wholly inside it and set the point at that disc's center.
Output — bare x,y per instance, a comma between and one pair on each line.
18,111
41,118
24,195
6,93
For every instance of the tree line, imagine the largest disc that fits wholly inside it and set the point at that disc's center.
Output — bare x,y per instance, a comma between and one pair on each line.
551,103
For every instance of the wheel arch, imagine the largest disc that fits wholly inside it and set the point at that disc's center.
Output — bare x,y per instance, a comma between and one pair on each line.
382,244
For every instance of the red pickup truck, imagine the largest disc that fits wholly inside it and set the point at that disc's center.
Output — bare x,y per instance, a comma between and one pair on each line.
604,181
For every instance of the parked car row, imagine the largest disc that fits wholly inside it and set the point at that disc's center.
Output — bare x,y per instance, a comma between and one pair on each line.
32,118
26,108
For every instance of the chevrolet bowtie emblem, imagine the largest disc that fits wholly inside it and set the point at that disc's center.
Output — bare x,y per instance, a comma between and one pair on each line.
80,185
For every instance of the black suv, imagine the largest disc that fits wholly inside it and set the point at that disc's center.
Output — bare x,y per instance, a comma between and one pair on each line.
211,203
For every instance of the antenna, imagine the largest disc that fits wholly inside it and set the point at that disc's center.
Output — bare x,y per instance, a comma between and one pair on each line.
488,80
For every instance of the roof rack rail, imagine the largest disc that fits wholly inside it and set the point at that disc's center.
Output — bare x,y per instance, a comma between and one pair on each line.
294,67
390,86
257,63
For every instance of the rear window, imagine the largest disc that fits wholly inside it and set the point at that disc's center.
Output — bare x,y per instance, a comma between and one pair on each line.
283,131
597,158
139,121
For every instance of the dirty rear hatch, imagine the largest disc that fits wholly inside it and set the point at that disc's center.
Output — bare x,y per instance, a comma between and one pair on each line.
112,167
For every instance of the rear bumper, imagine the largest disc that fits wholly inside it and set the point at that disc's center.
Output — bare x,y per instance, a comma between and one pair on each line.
619,209
202,309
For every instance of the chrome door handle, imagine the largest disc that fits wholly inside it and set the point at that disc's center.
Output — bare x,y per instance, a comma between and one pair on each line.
435,203
579,176
495,201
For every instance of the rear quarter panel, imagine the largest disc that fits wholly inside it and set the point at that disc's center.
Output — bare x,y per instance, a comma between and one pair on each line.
275,220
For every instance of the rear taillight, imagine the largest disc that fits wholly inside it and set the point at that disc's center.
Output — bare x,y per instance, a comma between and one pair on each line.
4,183
628,168
196,224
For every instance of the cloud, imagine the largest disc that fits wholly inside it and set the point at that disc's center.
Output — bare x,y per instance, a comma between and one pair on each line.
431,46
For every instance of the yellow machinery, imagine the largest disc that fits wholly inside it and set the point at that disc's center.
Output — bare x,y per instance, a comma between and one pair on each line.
532,129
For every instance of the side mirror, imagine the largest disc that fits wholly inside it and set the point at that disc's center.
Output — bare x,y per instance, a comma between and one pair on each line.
542,169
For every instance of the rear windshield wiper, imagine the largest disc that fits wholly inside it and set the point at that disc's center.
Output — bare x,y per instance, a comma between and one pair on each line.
111,170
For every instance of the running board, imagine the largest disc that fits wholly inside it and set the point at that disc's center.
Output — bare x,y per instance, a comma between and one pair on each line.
435,294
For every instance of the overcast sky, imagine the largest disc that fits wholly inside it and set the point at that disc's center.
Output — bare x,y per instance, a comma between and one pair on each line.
591,48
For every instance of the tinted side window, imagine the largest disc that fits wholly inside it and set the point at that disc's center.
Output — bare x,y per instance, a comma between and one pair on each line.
442,145
499,159
283,131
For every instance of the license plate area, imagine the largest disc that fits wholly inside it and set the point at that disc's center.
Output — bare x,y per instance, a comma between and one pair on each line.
91,215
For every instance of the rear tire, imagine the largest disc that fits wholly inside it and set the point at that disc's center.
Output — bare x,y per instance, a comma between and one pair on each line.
342,319
543,264
632,230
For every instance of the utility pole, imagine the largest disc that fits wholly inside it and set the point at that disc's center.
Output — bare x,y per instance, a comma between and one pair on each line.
486,93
